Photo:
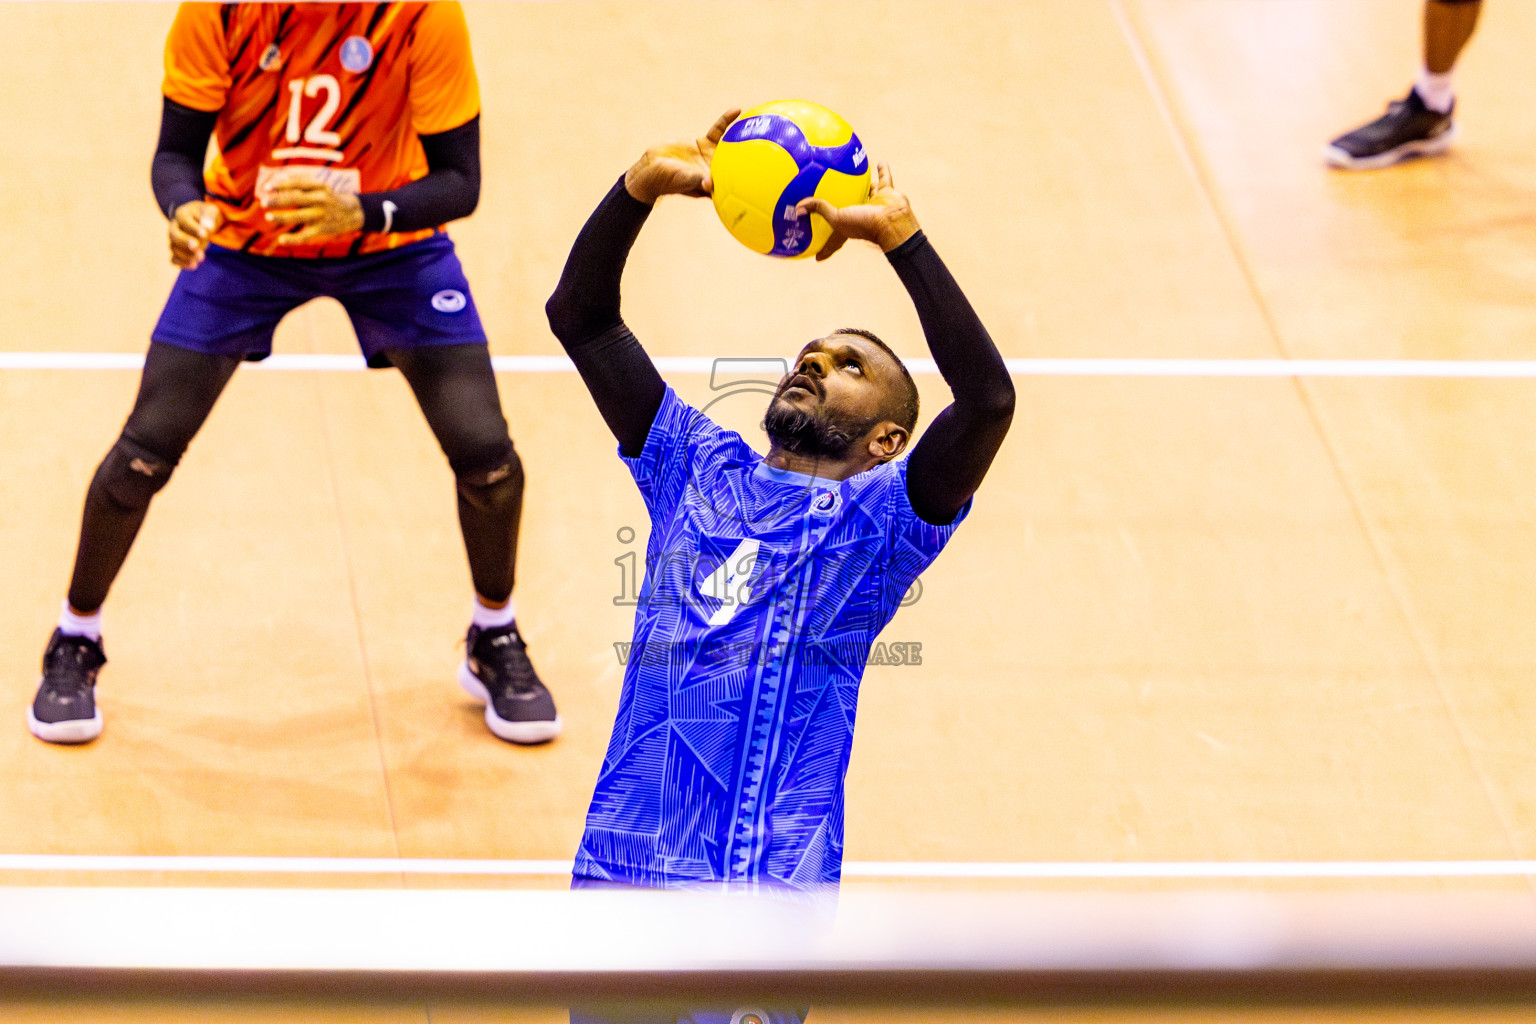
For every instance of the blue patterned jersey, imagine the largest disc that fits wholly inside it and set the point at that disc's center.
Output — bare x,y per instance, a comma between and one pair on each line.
764,591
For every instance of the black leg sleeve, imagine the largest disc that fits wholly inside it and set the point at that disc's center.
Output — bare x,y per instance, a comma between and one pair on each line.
456,389
176,393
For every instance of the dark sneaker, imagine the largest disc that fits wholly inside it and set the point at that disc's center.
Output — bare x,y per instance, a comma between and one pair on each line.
1408,128
64,710
496,672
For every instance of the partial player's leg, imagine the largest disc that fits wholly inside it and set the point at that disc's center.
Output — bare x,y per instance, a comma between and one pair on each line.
456,389
1420,124
216,315
1448,25
176,392
411,307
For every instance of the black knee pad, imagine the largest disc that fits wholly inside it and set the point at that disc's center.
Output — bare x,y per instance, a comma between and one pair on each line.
491,482
132,474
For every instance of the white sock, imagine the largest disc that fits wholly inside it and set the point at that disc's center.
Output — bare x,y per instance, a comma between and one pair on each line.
80,625
1435,90
492,618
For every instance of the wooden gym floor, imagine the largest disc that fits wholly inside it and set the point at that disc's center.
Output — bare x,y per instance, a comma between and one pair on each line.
1190,618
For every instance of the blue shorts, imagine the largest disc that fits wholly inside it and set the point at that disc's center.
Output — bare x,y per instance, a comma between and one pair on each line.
408,297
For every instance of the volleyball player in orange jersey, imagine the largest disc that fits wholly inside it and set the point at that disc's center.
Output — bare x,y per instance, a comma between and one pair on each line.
347,135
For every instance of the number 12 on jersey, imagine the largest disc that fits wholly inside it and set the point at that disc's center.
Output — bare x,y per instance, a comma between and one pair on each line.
322,141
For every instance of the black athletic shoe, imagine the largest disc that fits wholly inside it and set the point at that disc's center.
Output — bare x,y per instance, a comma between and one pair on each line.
496,672
65,710
1408,128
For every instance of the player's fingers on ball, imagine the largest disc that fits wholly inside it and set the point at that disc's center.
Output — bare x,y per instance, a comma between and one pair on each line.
815,204
722,122
883,172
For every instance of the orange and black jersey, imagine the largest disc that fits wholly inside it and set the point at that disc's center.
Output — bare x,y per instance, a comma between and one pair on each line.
344,90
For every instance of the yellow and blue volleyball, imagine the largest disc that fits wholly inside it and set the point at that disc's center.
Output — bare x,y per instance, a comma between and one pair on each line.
775,155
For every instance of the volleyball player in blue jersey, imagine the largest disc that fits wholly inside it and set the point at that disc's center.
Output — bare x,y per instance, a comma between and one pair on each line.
768,577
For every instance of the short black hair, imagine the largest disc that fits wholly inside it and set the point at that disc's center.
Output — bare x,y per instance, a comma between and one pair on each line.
906,413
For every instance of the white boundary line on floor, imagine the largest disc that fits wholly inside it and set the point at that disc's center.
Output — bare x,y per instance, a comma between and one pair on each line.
899,870
1105,367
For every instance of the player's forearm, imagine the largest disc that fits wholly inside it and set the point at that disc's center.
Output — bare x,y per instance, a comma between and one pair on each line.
448,191
955,452
962,349
586,301
966,358
584,314
176,173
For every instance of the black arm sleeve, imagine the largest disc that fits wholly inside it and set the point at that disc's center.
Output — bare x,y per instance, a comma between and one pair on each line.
584,314
948,463
176,173
449,190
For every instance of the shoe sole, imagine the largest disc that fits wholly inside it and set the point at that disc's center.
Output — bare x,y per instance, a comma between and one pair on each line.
1337,157
522,733
72,731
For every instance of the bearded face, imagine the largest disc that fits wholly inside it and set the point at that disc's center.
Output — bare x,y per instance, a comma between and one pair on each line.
810,432
840,390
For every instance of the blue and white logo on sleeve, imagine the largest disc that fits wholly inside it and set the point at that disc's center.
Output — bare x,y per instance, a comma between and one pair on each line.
356,54
449,300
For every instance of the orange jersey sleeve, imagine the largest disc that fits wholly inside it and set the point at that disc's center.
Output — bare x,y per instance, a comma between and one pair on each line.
444,90
196,64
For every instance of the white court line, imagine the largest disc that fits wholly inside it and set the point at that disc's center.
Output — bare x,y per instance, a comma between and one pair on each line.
1106,367
282,865
1019,870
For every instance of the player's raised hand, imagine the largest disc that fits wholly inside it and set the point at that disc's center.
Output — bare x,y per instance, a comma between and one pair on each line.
887,219
191,228
678,168
312,211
